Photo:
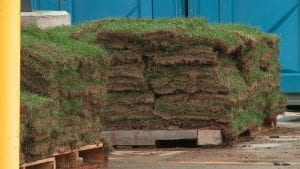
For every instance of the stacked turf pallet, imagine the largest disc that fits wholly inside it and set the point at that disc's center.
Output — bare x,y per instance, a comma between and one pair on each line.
144,74
198,75
62,93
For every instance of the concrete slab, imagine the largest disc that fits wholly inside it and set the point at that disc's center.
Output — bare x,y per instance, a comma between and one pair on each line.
210,137
46,19
289,119
146,137
149,137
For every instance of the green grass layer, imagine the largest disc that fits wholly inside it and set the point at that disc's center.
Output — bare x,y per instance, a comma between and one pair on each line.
67,66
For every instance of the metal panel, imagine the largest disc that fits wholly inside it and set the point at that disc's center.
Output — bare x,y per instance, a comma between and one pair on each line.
273,16
225,11
45,4
66,5
281,18
146,8
97,9
168,8
205,8
261,13
289,31
290,83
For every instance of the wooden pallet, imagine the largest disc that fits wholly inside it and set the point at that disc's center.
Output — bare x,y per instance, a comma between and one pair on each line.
150,137
48,163
86,157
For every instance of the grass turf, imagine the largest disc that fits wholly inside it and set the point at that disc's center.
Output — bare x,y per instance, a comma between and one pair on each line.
67,65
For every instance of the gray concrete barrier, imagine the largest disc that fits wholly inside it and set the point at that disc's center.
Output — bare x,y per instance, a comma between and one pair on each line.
46,19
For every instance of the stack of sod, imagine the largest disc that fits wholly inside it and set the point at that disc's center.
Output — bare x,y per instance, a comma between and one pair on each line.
63,91
145,74
201,75
129,91
40,124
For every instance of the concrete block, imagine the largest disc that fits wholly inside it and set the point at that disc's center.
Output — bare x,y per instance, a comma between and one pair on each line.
46,19
209,137
146,137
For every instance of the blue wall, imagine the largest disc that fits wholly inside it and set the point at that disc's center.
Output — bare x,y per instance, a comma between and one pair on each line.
96,9
274,16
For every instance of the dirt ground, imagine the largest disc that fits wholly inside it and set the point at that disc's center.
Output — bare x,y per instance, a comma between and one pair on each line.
278,149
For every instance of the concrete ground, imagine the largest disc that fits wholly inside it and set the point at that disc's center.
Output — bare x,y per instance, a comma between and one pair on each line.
273,149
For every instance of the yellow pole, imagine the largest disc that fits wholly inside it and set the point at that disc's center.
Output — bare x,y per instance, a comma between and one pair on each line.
9,83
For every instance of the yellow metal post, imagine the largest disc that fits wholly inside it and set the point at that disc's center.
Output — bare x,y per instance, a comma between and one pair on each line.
9,83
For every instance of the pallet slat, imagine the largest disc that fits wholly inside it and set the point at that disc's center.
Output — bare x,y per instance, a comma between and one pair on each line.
47,163
86,157
87,147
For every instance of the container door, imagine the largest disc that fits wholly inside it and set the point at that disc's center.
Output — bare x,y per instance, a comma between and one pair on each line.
82,11
169,8
45,5
274,16
66,5
204,8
